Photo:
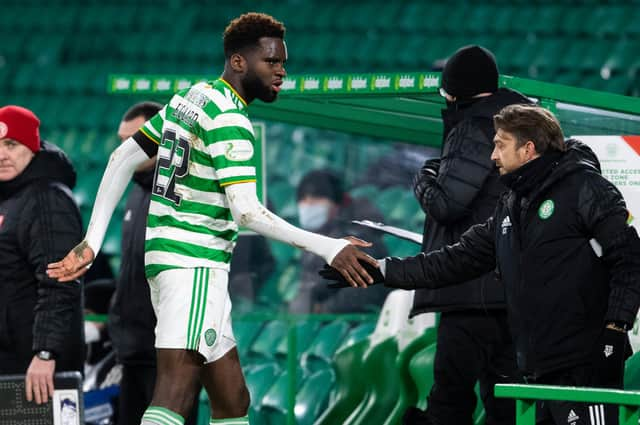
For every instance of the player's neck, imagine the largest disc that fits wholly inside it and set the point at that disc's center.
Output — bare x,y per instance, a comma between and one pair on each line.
234,81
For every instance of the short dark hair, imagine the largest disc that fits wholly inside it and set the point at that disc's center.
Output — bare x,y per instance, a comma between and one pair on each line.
531,122
321,184
144,109
247,30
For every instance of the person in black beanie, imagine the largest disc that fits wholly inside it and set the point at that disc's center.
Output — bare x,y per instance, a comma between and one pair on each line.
560,240
456,191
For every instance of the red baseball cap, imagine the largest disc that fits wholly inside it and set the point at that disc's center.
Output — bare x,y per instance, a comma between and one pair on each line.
20,124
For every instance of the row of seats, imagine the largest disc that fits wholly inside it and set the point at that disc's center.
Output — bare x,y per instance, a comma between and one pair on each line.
335,382
350,375
561,19
34,65
590,45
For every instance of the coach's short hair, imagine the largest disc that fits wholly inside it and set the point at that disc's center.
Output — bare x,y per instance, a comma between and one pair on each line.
142,109
531,122
247,29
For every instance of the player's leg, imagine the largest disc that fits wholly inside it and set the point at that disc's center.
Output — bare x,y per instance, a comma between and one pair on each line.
222,375
228,393
179,298
177,384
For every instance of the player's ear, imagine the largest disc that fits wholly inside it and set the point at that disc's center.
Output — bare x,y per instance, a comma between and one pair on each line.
238,63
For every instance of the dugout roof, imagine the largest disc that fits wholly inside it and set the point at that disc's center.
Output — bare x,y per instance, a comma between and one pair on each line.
402,106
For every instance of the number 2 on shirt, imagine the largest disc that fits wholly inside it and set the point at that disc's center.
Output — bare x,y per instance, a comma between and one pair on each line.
173,162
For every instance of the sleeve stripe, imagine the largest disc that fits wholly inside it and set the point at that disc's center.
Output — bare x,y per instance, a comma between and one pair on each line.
237,181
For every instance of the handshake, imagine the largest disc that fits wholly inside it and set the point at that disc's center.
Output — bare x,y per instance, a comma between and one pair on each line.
339,281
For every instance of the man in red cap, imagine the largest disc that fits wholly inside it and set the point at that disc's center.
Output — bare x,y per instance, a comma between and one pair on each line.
40,319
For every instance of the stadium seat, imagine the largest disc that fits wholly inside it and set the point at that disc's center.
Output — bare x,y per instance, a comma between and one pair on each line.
305,331
274,406
259,379
312,396
632,373
349,388
245,332
421,371
325,343
381,388
263,347
408,395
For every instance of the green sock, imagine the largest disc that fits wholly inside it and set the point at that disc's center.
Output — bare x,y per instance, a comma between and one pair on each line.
230,421
157,415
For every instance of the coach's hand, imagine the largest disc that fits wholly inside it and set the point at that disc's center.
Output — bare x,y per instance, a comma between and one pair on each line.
349,262
74,265
339,281
39,380
611,351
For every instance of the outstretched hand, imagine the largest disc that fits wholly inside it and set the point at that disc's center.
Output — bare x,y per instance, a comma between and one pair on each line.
349,263
74,265
339,281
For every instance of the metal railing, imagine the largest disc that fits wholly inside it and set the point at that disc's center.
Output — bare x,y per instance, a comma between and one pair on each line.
527,395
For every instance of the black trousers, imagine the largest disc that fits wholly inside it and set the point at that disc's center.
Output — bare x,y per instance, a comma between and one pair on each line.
472,346
136,391
573,413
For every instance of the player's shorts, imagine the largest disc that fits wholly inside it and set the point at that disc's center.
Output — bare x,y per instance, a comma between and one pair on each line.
193,309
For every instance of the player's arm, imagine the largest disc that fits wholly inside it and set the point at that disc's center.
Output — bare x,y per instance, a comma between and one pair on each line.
122,164
247,211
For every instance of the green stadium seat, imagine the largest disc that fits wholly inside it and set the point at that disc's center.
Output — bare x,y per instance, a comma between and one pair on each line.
312,396
547,20
324,345
349,388
408,394
421,371
273,408
381,384
632,373
263,347
259,379
305,332
245,332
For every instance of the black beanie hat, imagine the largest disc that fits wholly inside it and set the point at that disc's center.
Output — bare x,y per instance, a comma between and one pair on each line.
322,184
470,71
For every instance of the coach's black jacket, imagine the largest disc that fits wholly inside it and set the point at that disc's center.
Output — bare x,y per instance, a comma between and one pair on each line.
559,293
39,224
131,317
463,192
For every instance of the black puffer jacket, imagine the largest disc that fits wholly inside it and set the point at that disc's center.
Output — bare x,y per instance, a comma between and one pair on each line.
39,224
131,317
559,292
459,190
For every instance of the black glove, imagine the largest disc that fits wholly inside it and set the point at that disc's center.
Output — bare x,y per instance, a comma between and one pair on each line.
329,273
425,177
610,353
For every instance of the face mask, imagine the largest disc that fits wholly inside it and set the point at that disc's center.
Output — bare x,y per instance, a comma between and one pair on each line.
313,216
91,332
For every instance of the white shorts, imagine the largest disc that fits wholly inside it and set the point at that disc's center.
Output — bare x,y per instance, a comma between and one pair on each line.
193,311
